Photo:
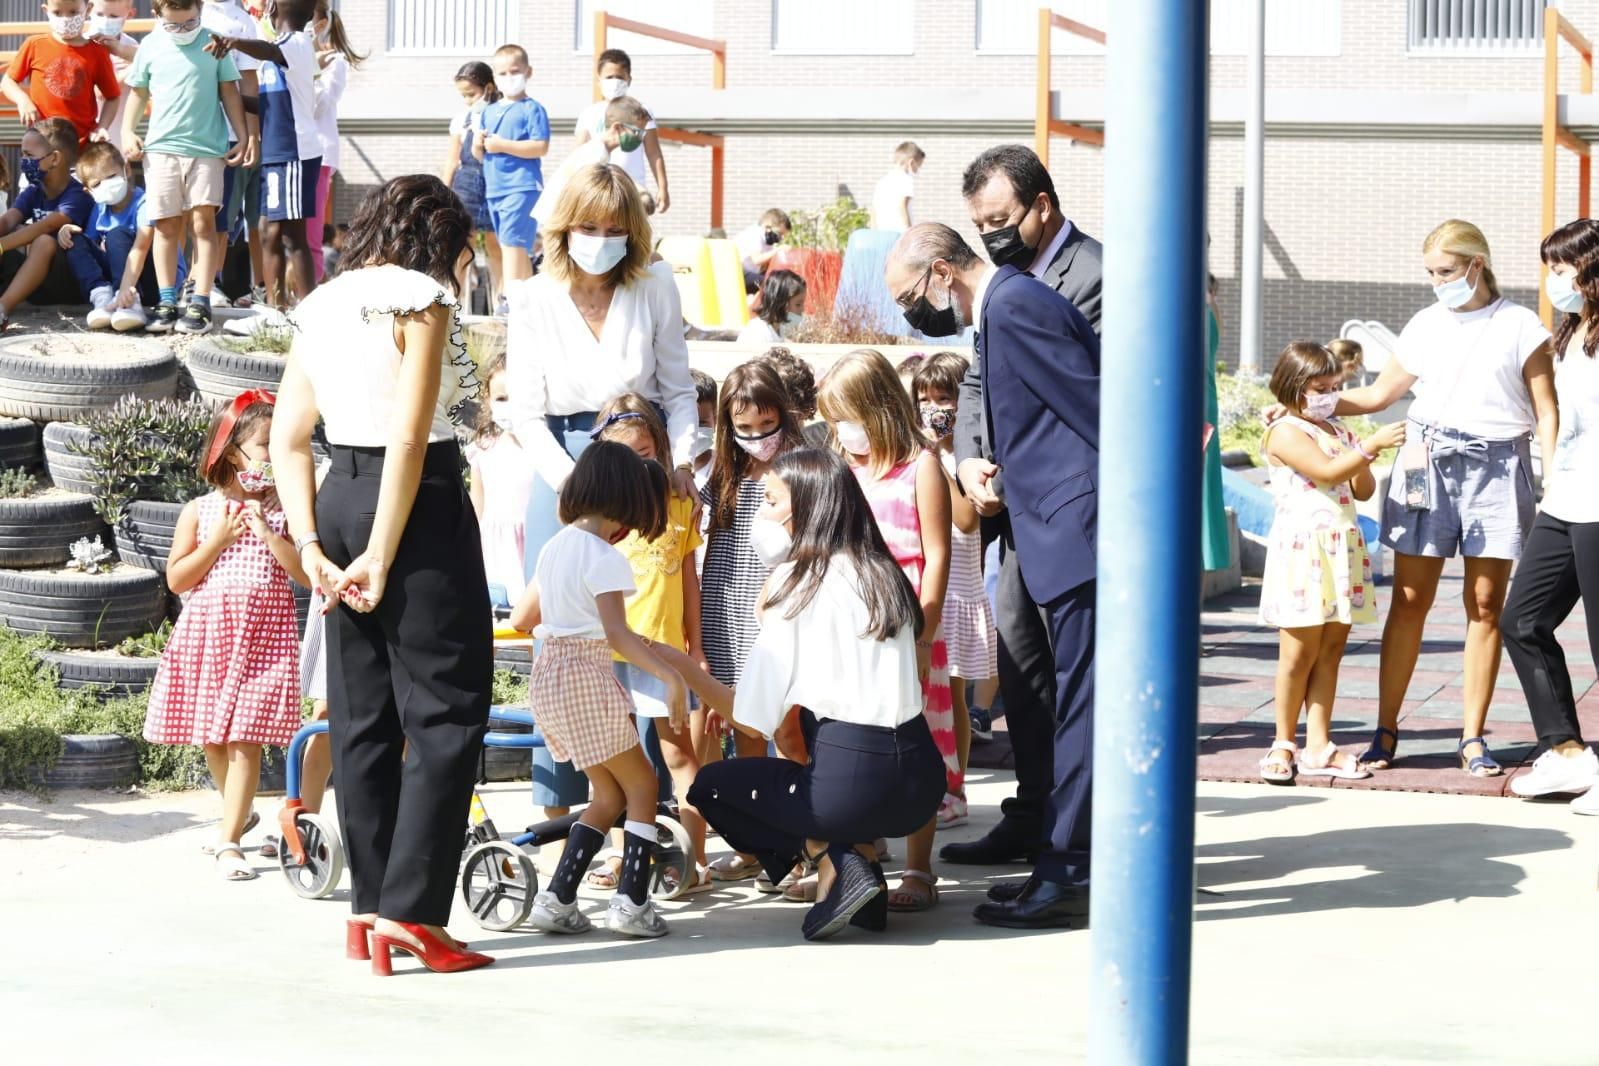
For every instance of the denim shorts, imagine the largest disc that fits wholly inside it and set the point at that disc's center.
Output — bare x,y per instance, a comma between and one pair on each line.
1480,493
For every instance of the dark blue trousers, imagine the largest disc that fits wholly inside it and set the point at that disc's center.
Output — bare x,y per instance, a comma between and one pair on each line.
1069,814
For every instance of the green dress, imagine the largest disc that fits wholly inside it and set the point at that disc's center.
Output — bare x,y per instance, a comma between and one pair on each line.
1215,548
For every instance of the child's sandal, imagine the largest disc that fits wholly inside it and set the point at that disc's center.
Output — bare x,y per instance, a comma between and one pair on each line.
1275,770
608,874
1326,765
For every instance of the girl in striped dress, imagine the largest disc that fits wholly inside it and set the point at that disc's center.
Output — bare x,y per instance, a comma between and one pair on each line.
876,429
754,425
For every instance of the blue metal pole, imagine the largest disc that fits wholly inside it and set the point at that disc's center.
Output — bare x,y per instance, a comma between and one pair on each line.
1147,655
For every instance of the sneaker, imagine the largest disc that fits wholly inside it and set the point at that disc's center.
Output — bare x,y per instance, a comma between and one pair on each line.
1587,803
1552,772
128,319
629,919
100,308
553,916
185,293
982,724
196,318
166,316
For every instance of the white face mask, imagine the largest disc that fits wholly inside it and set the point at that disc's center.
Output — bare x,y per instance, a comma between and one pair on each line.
593,254
187,37
770,541
1320,405
500,411
110,191
853,437
68,26
611,88
704,440
1457,293
105,26
1562,292
511,84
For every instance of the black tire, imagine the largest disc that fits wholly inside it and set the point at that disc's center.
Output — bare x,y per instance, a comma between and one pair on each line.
82,610
92,760
38,530
220,374
144,536
516,659
67,470
507,764
104,676
19,444
72,379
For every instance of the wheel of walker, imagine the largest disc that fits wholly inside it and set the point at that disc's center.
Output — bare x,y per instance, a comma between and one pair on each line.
324,857
498,884
672,870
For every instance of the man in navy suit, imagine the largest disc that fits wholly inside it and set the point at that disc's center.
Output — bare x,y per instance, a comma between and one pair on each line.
1039,362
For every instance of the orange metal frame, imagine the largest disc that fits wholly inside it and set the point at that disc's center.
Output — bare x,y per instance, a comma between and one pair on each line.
32,29
605,22
1555,135
1045,123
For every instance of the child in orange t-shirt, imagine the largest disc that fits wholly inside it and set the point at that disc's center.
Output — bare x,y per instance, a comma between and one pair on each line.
62,69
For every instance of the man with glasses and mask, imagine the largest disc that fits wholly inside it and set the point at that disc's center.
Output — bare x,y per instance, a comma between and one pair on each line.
1038,378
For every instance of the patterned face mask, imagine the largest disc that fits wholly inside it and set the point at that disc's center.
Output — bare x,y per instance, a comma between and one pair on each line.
256,477
938,421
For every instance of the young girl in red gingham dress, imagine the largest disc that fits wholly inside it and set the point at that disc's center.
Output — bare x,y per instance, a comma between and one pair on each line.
229,679
575,605
876,430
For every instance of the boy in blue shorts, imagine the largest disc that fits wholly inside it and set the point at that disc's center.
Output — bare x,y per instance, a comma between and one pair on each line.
516,134
117,239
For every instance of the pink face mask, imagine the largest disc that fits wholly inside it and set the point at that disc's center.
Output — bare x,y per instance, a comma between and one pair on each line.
763,446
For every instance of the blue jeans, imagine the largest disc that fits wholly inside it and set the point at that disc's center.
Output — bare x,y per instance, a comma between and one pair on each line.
89,266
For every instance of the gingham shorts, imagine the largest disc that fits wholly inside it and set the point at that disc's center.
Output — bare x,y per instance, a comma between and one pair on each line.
580,707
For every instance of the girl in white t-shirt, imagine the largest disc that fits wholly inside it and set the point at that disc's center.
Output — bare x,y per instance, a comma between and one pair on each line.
576,601
1484,382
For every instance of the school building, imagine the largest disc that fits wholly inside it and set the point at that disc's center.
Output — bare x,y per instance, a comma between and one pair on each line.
1384,117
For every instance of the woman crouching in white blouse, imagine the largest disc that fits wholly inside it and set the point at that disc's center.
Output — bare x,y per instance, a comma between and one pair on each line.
838,638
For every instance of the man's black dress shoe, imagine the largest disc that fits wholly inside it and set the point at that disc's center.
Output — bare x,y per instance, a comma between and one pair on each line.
1039,905
1007,891
999,847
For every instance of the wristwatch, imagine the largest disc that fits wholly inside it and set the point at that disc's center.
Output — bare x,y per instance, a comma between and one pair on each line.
305,541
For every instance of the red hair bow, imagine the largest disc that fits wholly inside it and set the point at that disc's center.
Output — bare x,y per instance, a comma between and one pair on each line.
230,418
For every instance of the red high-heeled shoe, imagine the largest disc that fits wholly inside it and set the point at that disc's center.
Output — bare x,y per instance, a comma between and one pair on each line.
355,940
434,953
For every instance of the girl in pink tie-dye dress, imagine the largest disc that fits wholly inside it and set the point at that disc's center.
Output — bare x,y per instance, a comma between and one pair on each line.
876,431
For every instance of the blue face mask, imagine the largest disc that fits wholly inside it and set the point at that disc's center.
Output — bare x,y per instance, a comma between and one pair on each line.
32,170
1457,293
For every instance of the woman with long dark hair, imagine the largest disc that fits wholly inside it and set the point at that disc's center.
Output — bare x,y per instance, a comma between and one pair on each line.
1561,562
463,172
392,540
836,597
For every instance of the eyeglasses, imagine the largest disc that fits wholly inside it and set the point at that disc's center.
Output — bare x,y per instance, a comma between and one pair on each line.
180,27
910,295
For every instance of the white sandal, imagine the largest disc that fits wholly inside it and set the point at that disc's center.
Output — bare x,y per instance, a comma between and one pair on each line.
231,862
249,824
734,868
1330,768
1272,770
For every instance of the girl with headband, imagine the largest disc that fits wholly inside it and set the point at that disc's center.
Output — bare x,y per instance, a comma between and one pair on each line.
229,679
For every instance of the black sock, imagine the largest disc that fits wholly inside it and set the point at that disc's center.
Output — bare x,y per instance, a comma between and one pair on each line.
635,879
582,844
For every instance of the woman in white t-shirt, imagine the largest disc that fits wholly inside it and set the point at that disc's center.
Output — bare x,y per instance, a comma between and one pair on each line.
1561,563
392,540
1484,382
615,70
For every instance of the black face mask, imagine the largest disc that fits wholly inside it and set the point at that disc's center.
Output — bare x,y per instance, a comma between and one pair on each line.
923,317
1006,247
772,236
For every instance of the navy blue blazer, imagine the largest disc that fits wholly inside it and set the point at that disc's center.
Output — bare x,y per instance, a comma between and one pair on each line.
1039,360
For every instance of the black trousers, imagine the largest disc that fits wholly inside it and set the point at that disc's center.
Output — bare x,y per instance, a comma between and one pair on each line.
1027,684
863,782
1559,565
408,685
1065,857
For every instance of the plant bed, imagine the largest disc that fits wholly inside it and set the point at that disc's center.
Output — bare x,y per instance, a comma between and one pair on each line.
68,470
37,529
144,536
508,764
102,674
19,445
222,367
82,610
139,451
91,760
54,377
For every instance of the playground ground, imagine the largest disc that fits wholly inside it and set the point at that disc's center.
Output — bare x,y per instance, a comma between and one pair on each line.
1384,926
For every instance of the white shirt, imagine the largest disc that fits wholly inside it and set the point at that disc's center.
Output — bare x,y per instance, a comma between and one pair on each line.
820,660
229,19
751,242
1468,367
1568,495
575,567
300,80
330,85
344,341
1050,251
557,367
587,154
113,129
759,332
893,189
592,118
980,294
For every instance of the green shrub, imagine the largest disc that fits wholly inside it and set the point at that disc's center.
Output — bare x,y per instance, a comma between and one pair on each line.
16,483
145,450
147,645
1240,403
510,689
829,226
274,340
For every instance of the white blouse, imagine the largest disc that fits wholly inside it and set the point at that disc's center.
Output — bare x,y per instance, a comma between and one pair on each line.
1567,494
821,660
557,367
344,341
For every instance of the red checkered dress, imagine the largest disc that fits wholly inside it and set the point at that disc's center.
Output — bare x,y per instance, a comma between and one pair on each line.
580,707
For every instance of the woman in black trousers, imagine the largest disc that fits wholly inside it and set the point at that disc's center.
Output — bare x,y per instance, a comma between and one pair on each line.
392,541
837,638
1561,560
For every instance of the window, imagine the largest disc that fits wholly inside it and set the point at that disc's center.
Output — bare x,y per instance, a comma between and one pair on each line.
451,27
685,16
843,27
1474,25
1293,27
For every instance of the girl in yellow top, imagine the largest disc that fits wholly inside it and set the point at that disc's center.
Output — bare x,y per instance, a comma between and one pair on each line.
665,609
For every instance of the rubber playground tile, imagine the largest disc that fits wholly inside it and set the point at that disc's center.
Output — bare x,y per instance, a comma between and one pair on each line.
1428,774
1242,699
1342,720
1448,703
1425,736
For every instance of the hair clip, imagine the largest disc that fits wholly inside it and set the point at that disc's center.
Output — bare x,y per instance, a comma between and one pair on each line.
230,418
620,416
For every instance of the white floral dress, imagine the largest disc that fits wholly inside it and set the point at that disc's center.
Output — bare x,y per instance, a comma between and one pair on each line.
1317,567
